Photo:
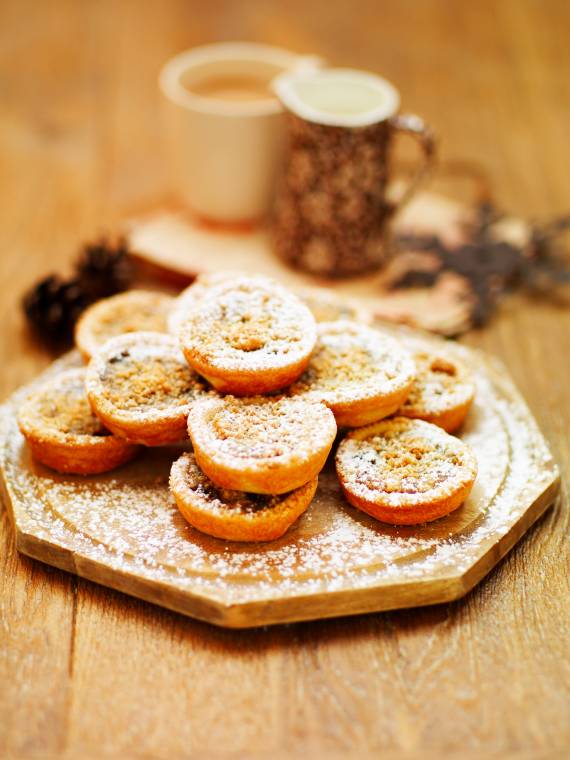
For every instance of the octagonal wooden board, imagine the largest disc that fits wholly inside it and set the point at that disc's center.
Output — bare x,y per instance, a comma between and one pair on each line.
123,530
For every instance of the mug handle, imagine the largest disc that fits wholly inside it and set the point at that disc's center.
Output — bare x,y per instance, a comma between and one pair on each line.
410,124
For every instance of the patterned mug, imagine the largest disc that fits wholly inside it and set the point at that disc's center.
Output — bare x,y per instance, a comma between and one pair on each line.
332,214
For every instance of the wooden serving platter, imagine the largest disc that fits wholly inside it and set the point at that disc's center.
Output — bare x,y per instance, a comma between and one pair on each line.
123,530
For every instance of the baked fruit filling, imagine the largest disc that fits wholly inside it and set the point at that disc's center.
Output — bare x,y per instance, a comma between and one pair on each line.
142,388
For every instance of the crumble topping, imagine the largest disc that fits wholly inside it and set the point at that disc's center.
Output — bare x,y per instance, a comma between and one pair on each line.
352,361
251,323
404,461
261,428
61,406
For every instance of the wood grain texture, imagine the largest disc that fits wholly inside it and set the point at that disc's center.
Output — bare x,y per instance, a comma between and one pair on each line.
84,670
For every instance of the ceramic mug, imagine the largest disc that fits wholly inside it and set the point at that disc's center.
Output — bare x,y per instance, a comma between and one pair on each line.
333,211
226,144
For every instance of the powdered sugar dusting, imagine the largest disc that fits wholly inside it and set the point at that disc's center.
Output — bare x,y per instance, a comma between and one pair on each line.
260,432
251,323
142,375
323,304
352,362
128,522
131,311
186,301
441,384
60,410
403,463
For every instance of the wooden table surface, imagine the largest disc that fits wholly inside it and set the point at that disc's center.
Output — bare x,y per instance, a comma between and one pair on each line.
85,671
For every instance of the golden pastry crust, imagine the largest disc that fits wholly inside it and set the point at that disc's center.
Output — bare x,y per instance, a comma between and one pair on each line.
234,515
404,471
266,445
141,387
361,374
63,433
249,336
135,310
442,392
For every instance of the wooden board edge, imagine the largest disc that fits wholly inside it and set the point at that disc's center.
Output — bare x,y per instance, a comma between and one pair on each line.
202,608
416,593
493,555
412,593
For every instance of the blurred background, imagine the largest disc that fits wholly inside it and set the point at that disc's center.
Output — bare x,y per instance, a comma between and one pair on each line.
80,130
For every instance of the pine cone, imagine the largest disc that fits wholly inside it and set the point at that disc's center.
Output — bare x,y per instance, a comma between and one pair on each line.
52,307
104,268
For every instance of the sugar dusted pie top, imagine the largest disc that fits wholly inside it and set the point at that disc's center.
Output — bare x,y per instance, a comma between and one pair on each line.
143,374
60,410
322,303
260,431
352,361
403,462
135,310
185,302
250,323
441,383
